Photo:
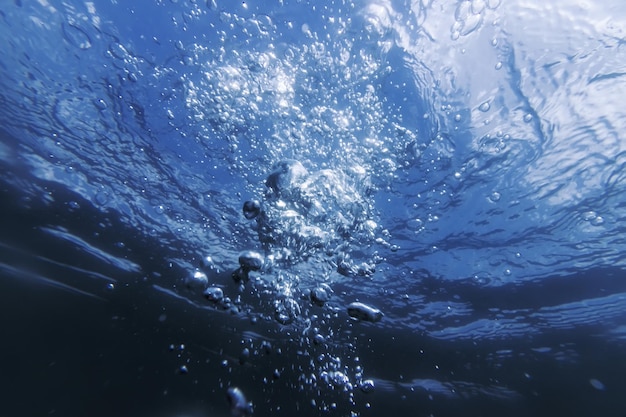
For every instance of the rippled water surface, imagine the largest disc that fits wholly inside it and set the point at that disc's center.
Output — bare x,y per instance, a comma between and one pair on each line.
313,208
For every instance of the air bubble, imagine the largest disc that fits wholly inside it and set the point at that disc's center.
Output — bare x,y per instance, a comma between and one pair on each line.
495,197
100,104
197,281
484,107
251,260
118,51
214,294
597,221
597,384
364,312
589,215
239,405
101,198
367,386
528,118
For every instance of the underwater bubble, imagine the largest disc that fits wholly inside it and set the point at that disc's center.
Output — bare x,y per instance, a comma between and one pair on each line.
73,205
286,310
183,370
239,405
244,356
214,294
364,312
118,50
319,296
197,281
484,107
209,265
337,379
319,339
100,104
367,385
597,221
251,209
102,197
285,176
597,384
251,260
495,197
528,118
266,347
589,215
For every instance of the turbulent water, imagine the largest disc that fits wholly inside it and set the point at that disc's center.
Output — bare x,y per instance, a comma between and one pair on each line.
313,208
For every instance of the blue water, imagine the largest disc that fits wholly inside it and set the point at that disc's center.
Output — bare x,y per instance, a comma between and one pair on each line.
458,166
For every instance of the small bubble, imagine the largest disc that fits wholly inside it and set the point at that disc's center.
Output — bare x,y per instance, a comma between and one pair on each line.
589,215
110,286
367,386
457,175
183,370
197,281
498,65
118,51
597,221
495,197
528,118
100,104
597,384
160,209
457,118
244,356
484,107
507,272
73,205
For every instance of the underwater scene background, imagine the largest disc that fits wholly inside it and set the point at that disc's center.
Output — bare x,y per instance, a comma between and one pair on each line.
342,208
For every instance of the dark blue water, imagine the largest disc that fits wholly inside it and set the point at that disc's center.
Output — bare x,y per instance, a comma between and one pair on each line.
458,167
